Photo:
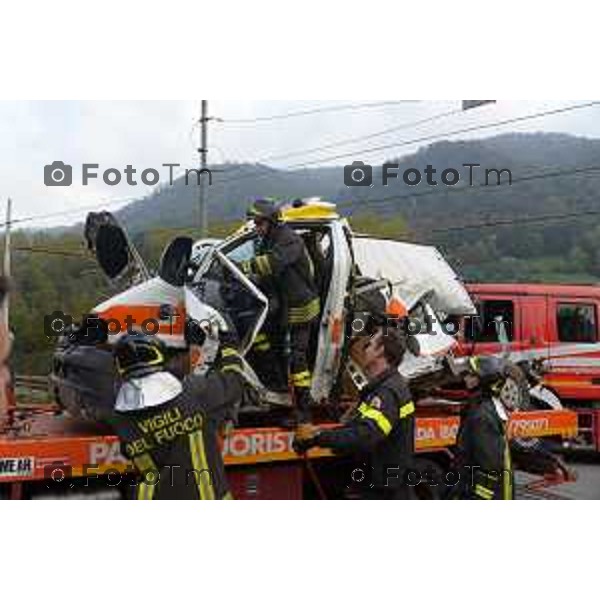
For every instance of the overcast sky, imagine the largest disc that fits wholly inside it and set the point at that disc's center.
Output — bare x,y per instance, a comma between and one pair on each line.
146,134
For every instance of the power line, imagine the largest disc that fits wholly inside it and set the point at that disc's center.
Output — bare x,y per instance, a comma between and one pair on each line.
519,221
353,140
429,137
324,109
348,141
50,251
456,189
361,138
62,213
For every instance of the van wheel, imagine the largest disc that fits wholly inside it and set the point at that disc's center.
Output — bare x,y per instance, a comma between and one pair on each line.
513,394
515,391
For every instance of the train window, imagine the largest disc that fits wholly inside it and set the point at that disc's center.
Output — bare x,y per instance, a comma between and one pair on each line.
576,323
482,328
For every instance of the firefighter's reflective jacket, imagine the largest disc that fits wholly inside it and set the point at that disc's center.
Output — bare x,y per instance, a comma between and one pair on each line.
380,434
175,446
284,259
483,453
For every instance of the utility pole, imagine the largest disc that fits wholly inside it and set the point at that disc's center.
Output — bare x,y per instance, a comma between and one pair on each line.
6,265
203,151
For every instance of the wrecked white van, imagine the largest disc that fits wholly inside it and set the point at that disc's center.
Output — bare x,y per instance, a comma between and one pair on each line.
355,275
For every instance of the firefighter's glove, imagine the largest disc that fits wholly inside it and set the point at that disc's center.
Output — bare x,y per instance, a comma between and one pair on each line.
305,438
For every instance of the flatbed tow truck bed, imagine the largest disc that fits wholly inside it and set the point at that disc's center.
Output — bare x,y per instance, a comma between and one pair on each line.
260,461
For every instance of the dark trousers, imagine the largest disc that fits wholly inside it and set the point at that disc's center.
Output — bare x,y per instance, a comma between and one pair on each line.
269,361
300,372
268,358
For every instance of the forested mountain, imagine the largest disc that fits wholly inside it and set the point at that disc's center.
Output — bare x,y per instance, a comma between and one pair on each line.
233,184
52,272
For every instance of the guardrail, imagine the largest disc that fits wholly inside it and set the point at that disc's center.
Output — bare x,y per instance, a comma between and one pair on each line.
31,389
33,382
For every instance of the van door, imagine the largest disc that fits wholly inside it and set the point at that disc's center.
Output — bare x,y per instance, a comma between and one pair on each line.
117,256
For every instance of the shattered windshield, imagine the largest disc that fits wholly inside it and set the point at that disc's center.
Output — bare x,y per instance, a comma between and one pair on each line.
221,288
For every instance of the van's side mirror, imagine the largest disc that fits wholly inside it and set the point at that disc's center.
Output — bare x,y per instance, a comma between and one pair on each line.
174,261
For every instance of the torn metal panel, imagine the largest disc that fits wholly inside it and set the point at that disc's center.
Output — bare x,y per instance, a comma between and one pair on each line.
414,270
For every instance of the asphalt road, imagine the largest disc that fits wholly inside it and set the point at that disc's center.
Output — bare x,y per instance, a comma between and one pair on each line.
587,486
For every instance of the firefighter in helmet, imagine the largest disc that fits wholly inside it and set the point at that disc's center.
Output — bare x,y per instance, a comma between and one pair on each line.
379,436
169,428
483,453
282,264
